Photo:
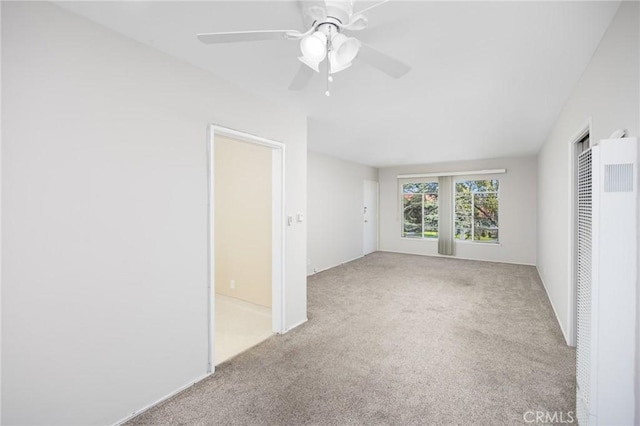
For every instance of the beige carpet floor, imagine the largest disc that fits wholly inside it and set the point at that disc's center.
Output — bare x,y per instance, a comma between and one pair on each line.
397,339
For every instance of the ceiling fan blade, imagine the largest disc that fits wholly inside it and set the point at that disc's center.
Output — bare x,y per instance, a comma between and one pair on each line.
382,61
240,36
302,78
373,6
356,23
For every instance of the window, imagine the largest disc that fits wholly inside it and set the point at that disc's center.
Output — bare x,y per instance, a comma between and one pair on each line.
420,210
477,211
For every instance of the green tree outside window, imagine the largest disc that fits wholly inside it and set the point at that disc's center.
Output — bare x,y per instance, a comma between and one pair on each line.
420,210
477,210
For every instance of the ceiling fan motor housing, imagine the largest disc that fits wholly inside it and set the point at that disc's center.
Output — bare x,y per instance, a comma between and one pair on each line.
328,28
338,13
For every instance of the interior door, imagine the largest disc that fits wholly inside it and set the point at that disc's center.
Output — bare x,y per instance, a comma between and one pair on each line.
370,217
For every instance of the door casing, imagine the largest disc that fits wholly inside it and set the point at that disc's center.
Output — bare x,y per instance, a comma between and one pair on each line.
277,230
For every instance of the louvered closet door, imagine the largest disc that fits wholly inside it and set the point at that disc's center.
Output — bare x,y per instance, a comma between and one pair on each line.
583,348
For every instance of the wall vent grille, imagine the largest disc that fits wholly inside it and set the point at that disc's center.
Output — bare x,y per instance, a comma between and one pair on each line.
583,346
618,177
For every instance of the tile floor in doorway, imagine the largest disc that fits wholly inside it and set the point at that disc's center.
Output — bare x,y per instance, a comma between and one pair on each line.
239,326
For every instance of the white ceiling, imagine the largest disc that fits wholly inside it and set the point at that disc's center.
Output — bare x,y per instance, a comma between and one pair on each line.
488,78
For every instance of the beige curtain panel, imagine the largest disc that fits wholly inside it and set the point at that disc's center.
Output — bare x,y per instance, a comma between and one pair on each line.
446,243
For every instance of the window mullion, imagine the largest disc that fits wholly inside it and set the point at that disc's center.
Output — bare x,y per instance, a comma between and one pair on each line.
422,217
473,222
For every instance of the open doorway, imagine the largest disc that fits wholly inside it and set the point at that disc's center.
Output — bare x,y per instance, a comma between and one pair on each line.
246,241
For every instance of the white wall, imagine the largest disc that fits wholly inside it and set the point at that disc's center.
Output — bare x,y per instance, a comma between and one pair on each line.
105,216
517,211
608,94
243,220
335,202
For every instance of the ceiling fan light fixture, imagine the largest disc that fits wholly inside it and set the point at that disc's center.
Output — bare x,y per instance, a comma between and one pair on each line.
314,46
337,67
344,50
311,64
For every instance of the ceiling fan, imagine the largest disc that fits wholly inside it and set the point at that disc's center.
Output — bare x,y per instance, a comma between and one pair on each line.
324,39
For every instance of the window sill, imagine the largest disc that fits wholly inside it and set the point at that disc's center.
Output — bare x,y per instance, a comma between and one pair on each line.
471,243
477,243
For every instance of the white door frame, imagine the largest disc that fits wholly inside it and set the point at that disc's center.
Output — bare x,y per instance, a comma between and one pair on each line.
277,230
377,215
572,332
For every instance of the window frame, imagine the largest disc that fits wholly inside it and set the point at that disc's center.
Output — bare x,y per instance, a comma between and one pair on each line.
408,181
462,179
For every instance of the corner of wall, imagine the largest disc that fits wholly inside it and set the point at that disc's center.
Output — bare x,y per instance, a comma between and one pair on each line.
555,311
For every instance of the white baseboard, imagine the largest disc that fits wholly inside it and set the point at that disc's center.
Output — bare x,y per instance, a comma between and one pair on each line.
555,312
331,267
182,389
457,257
164,398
